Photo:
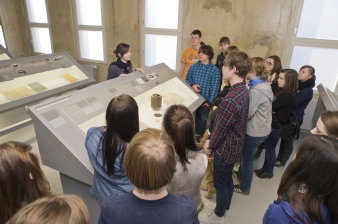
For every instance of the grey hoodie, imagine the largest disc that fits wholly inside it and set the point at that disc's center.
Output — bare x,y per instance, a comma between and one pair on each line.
260,110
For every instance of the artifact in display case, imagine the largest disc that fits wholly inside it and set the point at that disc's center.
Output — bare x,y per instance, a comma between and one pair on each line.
30,79
61,123
4,54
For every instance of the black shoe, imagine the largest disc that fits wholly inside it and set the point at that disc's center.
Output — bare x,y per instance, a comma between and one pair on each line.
279,164
264,175
259,171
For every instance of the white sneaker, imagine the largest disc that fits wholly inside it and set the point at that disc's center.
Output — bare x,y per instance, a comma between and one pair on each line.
211,218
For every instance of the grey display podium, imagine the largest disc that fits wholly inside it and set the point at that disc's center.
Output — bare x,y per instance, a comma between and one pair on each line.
61,123
4,54
327,101
25,81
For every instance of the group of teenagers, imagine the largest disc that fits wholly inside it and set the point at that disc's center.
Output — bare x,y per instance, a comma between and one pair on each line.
155,176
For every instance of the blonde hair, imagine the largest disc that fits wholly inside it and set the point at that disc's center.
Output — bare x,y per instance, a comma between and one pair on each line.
330,121
258,65
150,160
65,209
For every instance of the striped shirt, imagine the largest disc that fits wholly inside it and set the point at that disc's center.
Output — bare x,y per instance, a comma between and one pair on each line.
227,136
207,77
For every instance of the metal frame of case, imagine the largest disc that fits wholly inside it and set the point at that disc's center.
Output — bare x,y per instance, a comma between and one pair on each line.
4,51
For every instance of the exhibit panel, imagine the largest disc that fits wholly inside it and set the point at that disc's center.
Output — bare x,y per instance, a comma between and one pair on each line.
61,123
31,79
4,54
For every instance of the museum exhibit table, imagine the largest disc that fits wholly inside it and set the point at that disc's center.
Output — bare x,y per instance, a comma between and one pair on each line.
4,54
28,80
61,123
327,100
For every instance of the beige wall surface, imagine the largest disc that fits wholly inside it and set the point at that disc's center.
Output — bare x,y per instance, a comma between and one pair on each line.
259,27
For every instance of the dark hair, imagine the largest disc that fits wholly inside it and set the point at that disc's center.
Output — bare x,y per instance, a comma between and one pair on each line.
291,82
277,67
178,122
241,61
121,49
150,160
122,124
312,73
196,32
207,49
225,40
330,121
311,179
230,49
21,178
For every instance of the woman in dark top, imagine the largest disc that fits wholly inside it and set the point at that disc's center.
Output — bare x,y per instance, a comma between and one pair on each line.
281,112
122,66
306,82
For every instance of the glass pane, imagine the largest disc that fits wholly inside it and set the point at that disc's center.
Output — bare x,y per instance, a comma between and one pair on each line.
91,45
41,40
89,12
160,48
2,38
324,60
37,11
161,14
318,20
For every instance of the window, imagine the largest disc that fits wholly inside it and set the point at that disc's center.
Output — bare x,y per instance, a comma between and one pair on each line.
39,26
161,32
315,40
2,37
90,30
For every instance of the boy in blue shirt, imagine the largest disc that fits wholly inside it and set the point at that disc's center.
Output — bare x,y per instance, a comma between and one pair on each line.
204,78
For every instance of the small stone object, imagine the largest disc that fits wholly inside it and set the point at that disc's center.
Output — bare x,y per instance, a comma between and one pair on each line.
156,101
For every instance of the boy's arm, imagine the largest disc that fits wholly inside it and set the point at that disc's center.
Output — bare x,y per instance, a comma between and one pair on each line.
224,119
189,78
182,69
215,83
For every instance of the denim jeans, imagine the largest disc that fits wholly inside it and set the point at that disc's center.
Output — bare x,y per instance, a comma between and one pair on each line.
201,119
223,184
246,169
270,154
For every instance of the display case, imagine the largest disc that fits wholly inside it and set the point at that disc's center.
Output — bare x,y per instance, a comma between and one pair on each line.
31,79
61,123
327,101
4,54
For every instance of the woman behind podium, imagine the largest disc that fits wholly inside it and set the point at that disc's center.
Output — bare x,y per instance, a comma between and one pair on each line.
106,147
21,178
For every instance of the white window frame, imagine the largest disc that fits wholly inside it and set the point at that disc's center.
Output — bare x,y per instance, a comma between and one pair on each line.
40,25
305,42
91,28
171,32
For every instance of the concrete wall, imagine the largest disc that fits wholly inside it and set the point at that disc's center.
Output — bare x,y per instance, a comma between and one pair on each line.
259,27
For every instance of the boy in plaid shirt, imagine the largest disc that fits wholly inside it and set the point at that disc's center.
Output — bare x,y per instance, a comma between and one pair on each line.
203,76
227,137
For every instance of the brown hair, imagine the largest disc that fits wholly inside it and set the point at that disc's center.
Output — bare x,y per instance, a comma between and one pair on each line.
291,82
178,122
21,178
230,49
150,160
207,49
258,65
224,40
66,209
277,67
330,120
121,49
239,60
122,124
311,179
196,32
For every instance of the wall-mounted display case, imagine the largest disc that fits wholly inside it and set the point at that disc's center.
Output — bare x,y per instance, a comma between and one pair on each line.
4,54
61,123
